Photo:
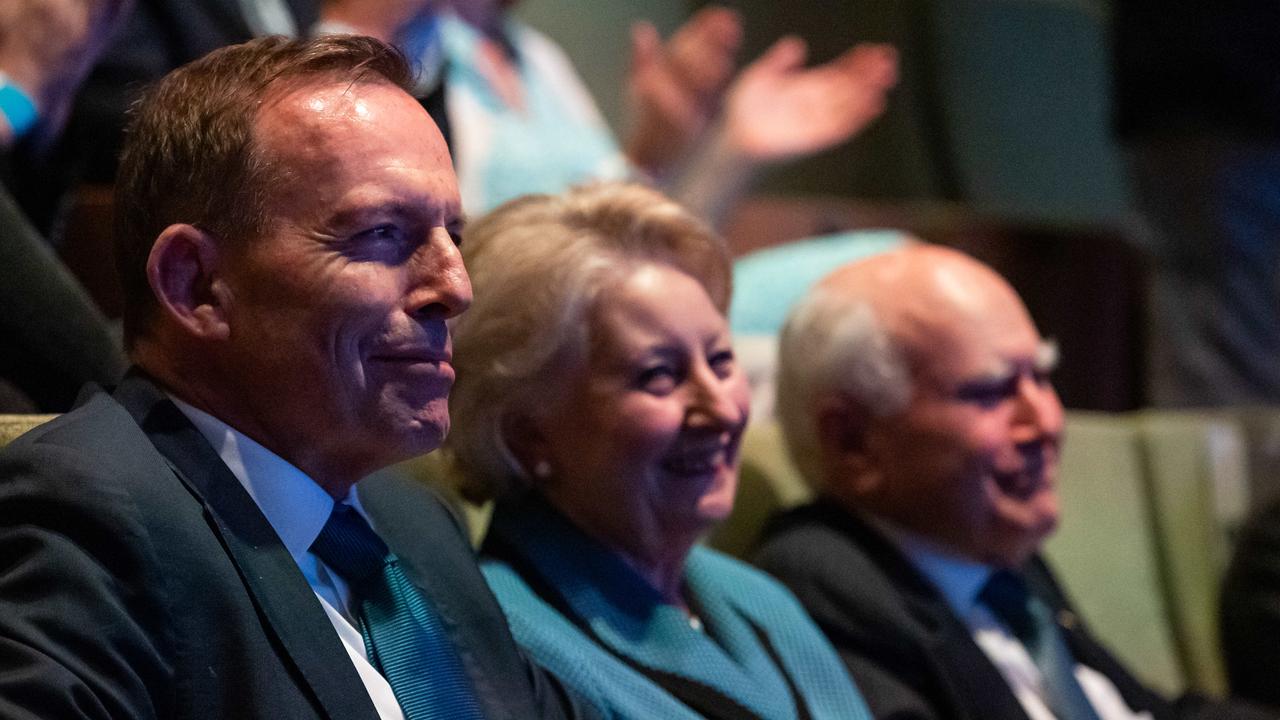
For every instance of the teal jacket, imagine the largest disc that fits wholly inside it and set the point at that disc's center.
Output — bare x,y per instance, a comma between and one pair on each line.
585,615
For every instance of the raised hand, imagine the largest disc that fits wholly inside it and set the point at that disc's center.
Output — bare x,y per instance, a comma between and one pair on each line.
777,109
675,88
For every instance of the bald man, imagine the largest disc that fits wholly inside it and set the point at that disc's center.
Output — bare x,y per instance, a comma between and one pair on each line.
914,395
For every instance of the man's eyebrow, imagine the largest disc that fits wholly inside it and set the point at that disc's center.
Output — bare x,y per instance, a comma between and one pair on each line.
447,213
1047,355
998,370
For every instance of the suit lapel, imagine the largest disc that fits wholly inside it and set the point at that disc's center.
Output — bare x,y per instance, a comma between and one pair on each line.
269,572
967,676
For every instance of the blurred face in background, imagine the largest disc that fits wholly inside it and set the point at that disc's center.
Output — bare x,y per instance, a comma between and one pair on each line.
643,444
972,461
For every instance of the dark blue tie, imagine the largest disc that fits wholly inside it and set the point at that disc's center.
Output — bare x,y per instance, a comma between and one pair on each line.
1031,621
403,635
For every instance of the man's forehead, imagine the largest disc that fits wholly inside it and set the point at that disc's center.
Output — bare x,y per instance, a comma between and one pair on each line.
333,122
339,151
320,97
954,343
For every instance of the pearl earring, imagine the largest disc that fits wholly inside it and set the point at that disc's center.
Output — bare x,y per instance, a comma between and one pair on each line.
542,469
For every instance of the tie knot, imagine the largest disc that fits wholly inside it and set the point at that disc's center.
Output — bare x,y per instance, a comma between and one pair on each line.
1007,595
348,545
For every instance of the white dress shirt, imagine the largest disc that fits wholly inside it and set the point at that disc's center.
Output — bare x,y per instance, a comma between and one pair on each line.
961,581
297,509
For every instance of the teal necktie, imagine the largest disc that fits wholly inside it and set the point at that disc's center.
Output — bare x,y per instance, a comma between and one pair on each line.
1031,621
403,635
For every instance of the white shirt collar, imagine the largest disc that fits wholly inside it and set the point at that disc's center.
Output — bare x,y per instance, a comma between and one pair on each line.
959,579
295,506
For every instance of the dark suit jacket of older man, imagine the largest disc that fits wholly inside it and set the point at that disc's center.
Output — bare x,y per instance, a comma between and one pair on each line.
911,656
138,579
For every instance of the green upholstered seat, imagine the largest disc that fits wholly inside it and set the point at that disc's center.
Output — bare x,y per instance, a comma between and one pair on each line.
1105,551
11,426
768,482
1196,467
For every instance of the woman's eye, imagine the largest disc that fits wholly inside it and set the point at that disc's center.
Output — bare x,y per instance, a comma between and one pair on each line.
658,380
722,363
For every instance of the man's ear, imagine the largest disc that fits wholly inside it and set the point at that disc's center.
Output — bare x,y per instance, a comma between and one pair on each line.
844,428
184,271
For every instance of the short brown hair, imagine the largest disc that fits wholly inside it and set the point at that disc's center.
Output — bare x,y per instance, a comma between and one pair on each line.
189,155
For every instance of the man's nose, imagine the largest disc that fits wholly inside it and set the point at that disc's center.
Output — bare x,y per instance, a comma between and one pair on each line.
439,285
1038,411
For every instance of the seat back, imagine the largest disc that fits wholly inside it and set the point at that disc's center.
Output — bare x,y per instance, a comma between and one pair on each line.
11,426
1105,550
1196,469
1024,87
768,483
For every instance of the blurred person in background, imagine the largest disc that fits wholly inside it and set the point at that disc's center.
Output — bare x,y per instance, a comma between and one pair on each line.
53,339
698,126
914,396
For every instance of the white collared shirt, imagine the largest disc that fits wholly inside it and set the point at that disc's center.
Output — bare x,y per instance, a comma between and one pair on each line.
297,509
961,581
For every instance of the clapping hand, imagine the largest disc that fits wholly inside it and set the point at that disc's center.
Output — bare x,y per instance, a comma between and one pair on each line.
777,109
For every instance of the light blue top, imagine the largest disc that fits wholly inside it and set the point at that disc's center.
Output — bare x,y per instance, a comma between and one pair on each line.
556,140
768,282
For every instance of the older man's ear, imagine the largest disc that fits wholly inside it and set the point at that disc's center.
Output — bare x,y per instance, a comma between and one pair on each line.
849,467
183,270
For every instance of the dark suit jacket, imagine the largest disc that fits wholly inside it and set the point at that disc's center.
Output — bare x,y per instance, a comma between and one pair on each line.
1251,610
139,580
910,655
53,339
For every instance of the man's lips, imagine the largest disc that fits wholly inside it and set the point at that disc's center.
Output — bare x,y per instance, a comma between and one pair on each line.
417,359
414,355
1027,479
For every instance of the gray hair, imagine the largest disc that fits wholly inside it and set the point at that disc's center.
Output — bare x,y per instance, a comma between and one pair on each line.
538,265
834,343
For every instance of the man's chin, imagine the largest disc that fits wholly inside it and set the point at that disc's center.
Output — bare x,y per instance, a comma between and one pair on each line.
413,431
1023,539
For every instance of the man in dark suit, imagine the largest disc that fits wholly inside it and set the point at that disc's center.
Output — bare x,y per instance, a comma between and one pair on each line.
192,545
913,392
1250,613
